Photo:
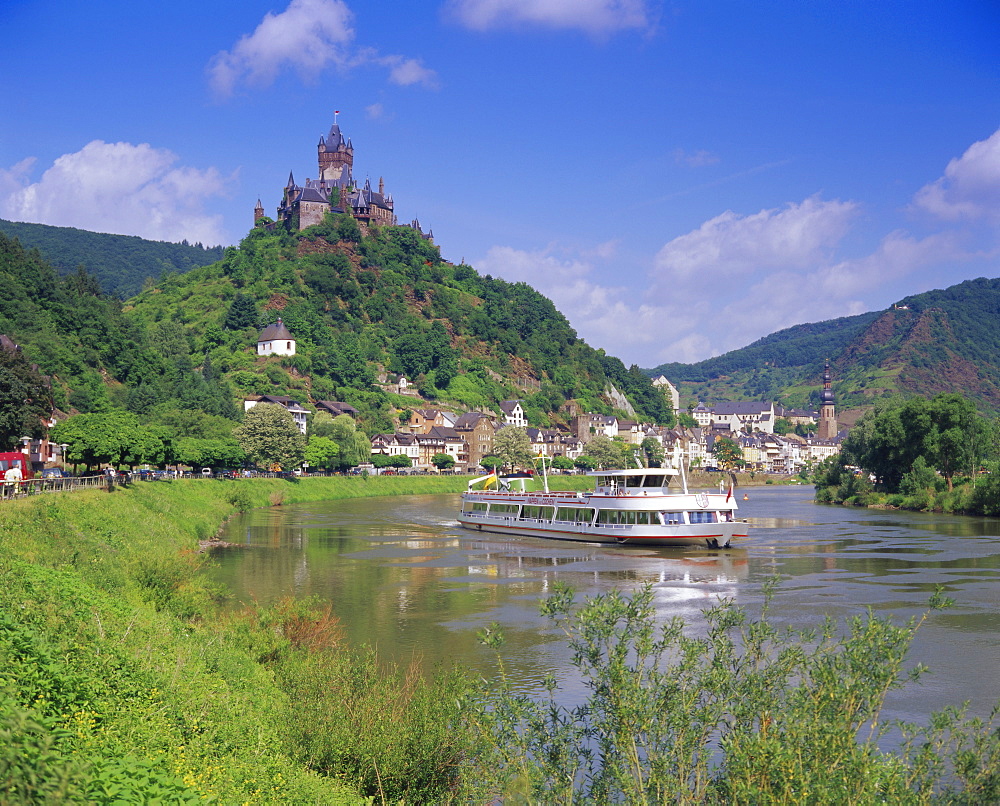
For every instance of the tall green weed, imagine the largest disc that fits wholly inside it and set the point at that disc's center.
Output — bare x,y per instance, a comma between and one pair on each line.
748,714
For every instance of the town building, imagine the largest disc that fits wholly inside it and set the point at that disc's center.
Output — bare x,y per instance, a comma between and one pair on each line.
335,408
513,413
669,391
477,430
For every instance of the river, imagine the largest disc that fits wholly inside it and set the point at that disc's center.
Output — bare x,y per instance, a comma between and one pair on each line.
403,576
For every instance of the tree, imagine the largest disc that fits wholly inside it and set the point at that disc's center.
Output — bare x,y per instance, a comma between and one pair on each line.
443,461
513,447
585,462
954,434
606,452
686,420
242,313
322,452
652,451
887,441
562,463
196,452
270,437
400,460
25,398
491,462
728,454
782,426
106,438
355,447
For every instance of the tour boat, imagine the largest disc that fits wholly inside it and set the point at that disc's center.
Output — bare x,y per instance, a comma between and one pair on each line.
627,507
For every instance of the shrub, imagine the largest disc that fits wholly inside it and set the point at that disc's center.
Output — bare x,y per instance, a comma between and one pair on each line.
748,714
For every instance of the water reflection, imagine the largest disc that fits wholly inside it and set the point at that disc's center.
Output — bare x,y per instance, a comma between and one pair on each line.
402,575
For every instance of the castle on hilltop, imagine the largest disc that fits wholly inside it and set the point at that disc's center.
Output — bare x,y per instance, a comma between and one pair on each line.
335,190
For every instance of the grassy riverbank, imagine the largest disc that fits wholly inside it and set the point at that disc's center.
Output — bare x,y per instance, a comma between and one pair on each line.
922,490
119,678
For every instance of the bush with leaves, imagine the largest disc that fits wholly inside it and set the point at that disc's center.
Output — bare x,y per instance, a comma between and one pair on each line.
749,713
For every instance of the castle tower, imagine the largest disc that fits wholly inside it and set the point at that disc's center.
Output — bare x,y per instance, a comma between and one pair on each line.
334,152
258,212
827,417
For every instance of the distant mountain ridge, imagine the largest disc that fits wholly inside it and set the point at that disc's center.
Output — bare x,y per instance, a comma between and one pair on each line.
121,263
941,340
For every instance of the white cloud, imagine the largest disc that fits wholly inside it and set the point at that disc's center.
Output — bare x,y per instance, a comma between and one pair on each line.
730,246
970,187
695,159
596,17
120,188
308,36
405,72
724,285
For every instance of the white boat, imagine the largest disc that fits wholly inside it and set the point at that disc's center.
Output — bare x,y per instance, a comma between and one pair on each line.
627,507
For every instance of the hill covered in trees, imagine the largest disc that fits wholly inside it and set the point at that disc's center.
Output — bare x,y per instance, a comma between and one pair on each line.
939,341
122,264
363,308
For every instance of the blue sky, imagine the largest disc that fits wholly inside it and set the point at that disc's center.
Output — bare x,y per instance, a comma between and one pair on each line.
681,178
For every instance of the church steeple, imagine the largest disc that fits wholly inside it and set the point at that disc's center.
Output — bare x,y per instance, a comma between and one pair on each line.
827,416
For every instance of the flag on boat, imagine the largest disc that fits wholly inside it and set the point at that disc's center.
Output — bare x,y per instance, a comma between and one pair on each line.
729,495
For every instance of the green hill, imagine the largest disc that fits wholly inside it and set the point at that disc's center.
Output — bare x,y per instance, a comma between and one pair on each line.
941,340
362,309
122,264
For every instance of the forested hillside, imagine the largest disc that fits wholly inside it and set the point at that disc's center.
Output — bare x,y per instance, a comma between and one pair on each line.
769,368
181,354
122,264
939,341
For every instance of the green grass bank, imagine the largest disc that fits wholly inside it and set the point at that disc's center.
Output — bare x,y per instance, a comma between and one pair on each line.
120,680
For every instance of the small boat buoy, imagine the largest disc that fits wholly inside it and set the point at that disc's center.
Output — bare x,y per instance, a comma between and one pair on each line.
746,497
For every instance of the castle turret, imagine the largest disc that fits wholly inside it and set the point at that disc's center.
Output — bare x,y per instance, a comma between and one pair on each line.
334,152
827,416
258,212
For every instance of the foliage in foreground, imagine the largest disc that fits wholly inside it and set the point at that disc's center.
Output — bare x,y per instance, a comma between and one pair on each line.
749,714
120,682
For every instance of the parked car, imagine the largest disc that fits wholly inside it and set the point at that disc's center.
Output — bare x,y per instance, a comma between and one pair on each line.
54,473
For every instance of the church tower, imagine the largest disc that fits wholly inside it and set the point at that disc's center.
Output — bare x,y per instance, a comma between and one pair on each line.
827,417
335,154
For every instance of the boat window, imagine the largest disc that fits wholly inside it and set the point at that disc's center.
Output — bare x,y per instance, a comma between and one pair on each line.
539,513
475,506
702,517
504,509
654,481
672,518
575,514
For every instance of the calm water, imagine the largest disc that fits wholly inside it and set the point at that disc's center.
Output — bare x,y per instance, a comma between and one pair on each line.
402,575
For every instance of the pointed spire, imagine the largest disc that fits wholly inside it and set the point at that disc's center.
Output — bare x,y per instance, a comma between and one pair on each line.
291,180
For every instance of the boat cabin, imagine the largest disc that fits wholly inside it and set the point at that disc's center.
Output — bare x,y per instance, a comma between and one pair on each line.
631,482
